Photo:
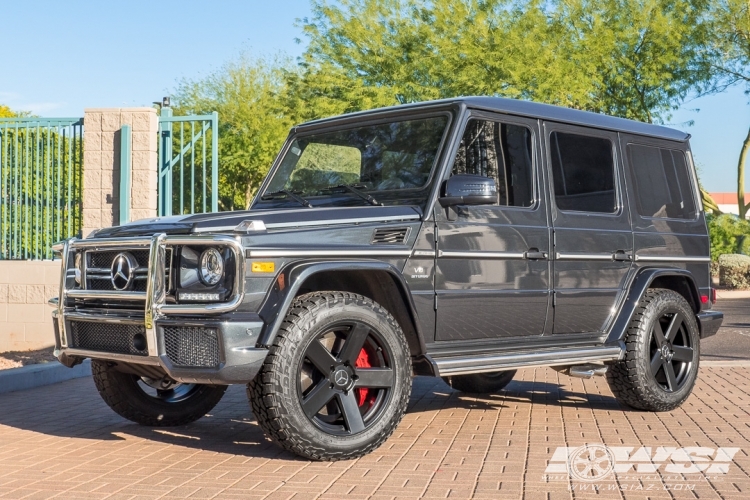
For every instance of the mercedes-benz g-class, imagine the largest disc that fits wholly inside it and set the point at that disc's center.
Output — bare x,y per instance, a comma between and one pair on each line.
463,239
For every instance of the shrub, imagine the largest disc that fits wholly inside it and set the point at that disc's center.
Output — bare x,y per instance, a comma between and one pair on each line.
734,271
729,235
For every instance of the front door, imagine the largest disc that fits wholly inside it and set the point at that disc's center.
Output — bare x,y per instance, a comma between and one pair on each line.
593,239
492,267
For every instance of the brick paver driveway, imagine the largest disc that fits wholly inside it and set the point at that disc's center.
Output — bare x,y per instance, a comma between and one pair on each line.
62,441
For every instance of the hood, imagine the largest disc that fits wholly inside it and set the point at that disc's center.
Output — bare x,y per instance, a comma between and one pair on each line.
226,222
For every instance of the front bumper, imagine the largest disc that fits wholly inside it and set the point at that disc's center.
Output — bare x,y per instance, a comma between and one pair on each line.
238,358
141,339
709,322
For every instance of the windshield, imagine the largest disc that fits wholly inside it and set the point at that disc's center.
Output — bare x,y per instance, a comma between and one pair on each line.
383,164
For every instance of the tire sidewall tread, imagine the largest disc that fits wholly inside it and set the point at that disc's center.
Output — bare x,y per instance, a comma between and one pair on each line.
273,393
630,379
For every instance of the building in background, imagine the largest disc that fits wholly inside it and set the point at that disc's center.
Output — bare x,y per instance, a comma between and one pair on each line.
727,202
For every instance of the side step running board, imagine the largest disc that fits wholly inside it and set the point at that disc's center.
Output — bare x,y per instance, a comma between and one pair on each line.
461,365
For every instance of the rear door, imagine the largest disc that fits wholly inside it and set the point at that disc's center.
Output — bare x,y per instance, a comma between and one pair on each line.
593,238
492,268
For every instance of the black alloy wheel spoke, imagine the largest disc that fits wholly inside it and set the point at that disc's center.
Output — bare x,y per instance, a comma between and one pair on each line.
658,335
317,398
671,378
656,362
683,354
376,378
674,327
350,410
354,342
320,357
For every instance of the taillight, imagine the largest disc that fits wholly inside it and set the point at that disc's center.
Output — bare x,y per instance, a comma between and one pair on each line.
704,299
713,295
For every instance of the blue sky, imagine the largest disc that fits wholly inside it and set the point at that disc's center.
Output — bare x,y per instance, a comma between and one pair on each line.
61,57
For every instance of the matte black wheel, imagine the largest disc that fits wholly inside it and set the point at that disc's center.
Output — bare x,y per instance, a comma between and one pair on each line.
663,351
337,379
156,403
481,383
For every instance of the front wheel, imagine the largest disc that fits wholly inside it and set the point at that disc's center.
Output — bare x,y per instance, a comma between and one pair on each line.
662,354
156,403
337,379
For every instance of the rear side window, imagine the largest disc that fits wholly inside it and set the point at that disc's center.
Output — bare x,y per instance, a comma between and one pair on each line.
583,172
662,182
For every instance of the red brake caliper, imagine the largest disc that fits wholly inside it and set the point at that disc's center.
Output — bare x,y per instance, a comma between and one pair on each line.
363,361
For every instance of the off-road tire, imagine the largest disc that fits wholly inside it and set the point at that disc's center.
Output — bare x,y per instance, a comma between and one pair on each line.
631,379
122,393
273,394
481,383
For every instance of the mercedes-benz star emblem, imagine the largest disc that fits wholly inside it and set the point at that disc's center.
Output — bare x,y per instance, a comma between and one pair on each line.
121,274
341,377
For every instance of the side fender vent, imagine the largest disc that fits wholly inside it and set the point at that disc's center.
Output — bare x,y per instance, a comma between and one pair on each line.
390,236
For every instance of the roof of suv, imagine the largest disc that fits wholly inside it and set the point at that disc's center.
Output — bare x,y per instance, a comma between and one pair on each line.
535,110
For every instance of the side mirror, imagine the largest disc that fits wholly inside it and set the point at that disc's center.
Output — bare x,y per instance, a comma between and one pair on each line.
468,189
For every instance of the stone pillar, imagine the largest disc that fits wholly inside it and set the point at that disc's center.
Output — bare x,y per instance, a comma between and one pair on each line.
101,165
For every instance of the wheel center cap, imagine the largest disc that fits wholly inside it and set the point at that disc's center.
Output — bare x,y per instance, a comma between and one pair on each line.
341,378
666,352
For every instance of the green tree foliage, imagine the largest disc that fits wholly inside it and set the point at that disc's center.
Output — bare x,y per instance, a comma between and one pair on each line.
729,235
631,58
6,112
252,121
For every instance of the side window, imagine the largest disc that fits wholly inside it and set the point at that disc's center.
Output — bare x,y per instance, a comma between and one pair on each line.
501,151
662,182
583,173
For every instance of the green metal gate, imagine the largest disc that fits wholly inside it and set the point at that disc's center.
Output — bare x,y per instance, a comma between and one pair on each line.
40,184
188,148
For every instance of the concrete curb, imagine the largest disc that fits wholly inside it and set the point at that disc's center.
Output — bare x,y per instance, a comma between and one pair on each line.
28,377
732,294
728,362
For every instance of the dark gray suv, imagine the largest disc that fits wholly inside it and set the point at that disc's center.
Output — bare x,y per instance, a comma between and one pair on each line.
462,239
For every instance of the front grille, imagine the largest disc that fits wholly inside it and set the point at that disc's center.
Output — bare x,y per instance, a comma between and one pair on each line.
108,337
192,346
104,259
99,265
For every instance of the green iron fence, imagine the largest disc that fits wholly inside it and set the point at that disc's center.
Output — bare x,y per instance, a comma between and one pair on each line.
188,163
40,184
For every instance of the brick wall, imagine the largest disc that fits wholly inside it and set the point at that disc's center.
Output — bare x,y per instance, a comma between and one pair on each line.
25,317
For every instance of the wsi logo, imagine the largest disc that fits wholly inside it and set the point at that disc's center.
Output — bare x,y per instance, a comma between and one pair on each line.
594,462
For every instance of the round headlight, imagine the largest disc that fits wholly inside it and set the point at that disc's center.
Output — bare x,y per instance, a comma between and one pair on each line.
212,266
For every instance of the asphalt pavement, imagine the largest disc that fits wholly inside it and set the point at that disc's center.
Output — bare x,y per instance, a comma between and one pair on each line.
732,342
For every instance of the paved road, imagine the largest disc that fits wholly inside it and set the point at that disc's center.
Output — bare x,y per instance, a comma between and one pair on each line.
61,441
732,342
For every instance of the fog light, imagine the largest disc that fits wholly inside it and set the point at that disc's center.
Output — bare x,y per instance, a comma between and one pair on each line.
198,297
212,266
263,267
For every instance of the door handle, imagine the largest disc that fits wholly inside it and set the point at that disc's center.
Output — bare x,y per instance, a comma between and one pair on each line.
621,256
534,254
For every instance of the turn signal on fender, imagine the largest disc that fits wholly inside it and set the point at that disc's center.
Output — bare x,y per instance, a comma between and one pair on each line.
263,267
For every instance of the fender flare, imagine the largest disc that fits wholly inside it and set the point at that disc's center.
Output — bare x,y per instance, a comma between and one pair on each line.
638,287
279,299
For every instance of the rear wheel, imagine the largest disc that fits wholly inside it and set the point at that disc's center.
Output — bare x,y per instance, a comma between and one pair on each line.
157,403
662,356
337,380
481,383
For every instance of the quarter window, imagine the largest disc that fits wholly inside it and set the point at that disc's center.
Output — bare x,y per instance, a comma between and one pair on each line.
583,173
503,152
662,182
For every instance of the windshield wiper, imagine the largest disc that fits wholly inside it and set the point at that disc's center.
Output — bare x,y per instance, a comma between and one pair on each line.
289,194
354,189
